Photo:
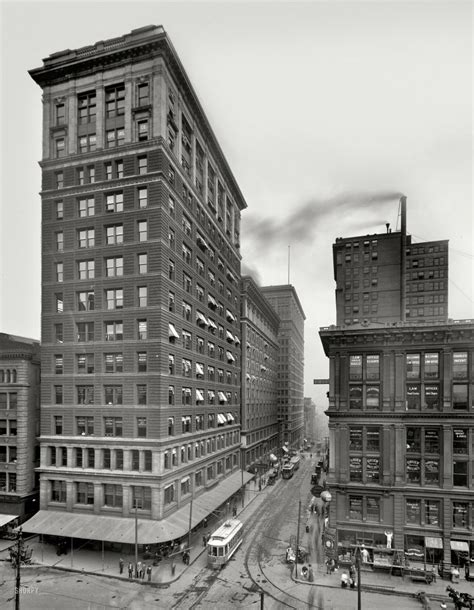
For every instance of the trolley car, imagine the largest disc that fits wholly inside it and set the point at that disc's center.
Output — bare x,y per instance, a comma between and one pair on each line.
224,542
288,471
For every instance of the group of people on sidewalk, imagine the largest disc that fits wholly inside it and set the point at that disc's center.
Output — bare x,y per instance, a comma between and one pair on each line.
136,570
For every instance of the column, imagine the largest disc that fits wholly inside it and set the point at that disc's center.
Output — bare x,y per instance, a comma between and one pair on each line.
128,111
399,385
400,450
70,495
98,497
445,391
388,457
127,501
447,459
388,380
99,117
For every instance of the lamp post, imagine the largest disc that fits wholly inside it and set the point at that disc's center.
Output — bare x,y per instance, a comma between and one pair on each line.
359,602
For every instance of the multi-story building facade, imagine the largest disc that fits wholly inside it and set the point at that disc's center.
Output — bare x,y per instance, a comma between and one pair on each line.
19,426
259,329
140,399
310,425
385,278
286,303
401,413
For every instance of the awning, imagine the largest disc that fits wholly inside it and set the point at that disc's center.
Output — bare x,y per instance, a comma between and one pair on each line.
459,545
230,417
199,395
199,369
122,529
4,519
285,449
229,315
201,318
237,340
172,331
247,377
222,396
211,300
212,323
432,542
229,336
202,242
221,419
230,357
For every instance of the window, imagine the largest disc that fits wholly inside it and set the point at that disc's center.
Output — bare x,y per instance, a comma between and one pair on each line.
141,497
115,137
59,302
113,426
59,272
169,496
86,207
141,427
142,395
142,193
85,364
142,296
114,298
114,202
113,395
142,328
143,94
59,180
58,424
113,495
91,173
142,230
460,514
85,426
147,461
114,363
460,365
86,270
171,270
432,512
58,333
143,165
85,238
60,114
171,395
413,511
84,493
142,263
59,240
59,210
114,266
460,396
58,491
460,441
143,129
86,106
59,148
58,364
170,426
85,395
85,300
87,143
114,331
115,101
85,332
142,362
114,234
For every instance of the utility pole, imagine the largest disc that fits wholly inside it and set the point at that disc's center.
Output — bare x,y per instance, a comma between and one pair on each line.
190,524
359,601
136,535
297,539
18,564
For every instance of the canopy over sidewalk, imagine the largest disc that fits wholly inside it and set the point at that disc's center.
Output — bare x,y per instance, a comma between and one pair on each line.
122,529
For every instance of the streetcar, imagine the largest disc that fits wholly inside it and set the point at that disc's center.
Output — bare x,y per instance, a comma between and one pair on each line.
223,543
288,470
295,461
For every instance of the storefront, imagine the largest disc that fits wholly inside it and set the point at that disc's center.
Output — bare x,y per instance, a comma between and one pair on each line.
459,552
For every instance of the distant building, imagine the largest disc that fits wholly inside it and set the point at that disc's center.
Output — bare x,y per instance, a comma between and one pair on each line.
260,432
386,278
401,425
310,425
286,303
140,297
19,426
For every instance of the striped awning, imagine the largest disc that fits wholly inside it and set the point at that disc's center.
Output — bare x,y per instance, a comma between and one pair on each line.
433,542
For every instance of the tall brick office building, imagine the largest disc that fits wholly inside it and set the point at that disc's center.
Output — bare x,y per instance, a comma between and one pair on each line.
140,398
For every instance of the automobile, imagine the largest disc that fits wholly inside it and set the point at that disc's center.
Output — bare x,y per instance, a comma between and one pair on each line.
469,569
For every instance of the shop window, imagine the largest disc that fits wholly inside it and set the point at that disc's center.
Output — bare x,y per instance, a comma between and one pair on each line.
413,511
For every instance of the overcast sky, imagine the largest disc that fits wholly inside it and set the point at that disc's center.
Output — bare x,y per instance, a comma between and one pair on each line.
326,112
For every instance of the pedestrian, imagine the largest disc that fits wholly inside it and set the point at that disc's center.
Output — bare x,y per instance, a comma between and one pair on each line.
204,540
144,568
121,565
234,511
138,570
310,573
304,572
148,571
130,570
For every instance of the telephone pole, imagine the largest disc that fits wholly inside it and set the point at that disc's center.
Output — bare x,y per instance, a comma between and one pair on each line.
18,563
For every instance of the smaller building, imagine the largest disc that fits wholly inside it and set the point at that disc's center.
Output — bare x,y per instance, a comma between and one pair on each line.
19,426
260,433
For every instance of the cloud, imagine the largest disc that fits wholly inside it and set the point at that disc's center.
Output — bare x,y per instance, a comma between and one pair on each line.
301,224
